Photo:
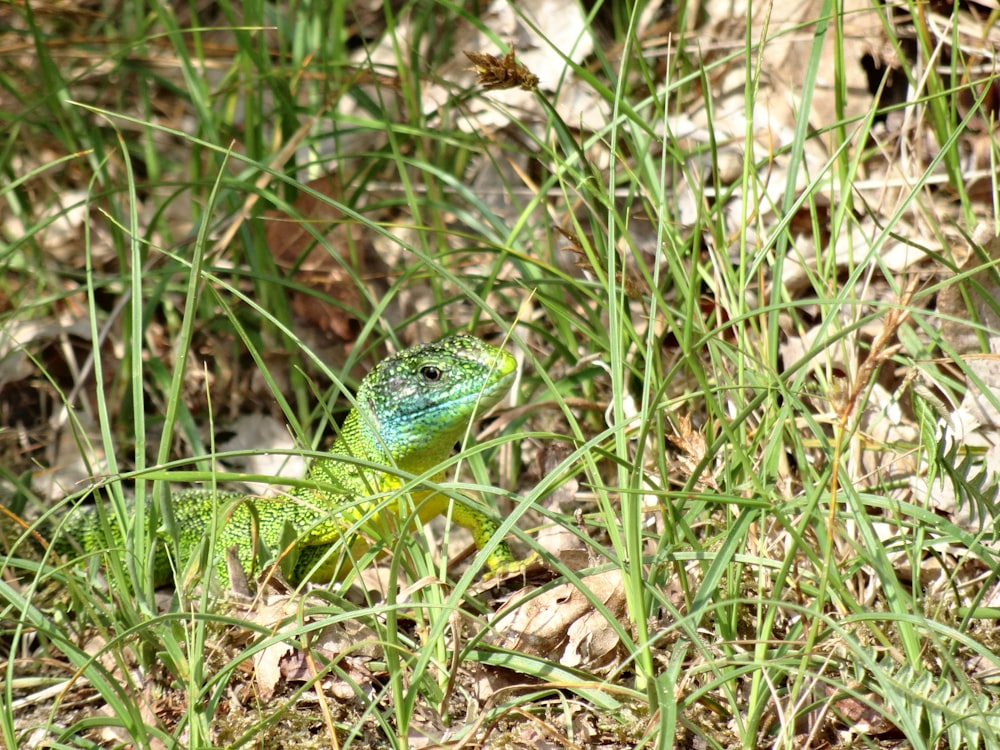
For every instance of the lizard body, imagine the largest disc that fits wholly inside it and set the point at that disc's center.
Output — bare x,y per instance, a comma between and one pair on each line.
409,413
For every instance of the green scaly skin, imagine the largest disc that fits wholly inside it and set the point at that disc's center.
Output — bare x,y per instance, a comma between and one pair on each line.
410,412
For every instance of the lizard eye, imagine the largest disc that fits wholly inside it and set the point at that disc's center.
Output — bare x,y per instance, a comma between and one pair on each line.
431,373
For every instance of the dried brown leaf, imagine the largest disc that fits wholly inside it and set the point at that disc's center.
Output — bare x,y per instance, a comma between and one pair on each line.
294,247
563,624
634,285
975,300
284,661
863,718
970,324
497,73
981,288
693,447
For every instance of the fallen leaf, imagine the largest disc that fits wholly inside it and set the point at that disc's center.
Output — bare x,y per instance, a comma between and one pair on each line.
564,625
693,448
283,660
293,242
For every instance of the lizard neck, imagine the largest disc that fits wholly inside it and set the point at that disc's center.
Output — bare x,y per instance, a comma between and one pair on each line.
374,439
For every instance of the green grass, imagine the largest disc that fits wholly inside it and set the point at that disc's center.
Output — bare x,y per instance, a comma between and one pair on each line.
761,571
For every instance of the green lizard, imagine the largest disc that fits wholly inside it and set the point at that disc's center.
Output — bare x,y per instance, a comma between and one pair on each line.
410,412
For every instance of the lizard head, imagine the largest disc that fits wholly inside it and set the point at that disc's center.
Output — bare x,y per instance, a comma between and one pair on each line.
420,402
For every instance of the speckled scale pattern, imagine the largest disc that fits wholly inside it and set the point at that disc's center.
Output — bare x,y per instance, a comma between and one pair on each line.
410,412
